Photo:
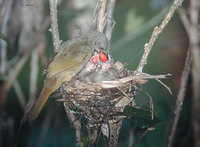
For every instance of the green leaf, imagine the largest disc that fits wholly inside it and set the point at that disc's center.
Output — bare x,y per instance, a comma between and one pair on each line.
142,116
2,36
85,141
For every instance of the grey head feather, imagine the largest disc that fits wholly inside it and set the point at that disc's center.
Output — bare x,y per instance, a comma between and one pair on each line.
98,41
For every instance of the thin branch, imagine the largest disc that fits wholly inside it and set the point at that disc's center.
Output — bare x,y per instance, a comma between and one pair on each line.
195,45
4,31
93,135
136,78
185,21
191,26
101,15
167,87
180,97
157,30
109,25
54,25
139,31
158,80
131,136
76,124
140,138
194,37
20,95
15,72
151,102
34,73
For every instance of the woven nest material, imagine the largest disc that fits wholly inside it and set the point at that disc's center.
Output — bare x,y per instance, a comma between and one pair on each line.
100,105
102,101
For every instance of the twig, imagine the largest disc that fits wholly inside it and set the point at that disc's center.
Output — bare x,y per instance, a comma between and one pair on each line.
191,26
14,73
101,14
167,87
109,26
33,73
54,25
93,135
19,93
156,32
139,31
131,135
195,45
4,31
180,97
76,124
142,136
142,78
157,79
151,102
114,131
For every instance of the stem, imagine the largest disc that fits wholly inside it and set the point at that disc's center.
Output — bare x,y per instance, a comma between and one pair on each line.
156,32
3,44
101,14
180,97
76,124
54,25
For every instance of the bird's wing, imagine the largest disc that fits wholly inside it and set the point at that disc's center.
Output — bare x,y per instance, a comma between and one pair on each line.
69,56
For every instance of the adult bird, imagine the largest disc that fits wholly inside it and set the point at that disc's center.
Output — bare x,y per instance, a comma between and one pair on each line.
68,61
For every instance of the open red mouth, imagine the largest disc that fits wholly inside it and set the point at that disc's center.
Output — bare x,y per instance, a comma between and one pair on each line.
102,56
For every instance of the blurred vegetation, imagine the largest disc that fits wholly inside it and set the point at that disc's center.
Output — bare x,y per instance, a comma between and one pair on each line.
52,128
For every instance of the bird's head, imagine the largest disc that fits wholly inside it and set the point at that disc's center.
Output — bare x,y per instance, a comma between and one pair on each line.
98,41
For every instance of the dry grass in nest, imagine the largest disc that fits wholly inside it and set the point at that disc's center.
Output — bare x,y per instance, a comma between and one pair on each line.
101,102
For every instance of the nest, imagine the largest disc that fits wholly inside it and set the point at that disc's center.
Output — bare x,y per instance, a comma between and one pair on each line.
101,102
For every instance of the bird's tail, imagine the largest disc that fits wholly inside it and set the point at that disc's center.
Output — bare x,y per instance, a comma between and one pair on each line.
39,104
31,113
50,86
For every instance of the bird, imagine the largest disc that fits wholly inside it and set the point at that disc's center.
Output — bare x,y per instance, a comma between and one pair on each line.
106,71
69,60
99,68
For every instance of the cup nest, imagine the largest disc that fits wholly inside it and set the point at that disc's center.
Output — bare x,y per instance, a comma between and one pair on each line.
102,101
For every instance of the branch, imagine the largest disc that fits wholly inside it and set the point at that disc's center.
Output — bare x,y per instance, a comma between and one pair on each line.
156,32
140,138
180,97
195,44
4,31
34,72
20,95
109,25
54,25
101,15
76,124
181,94
140,30
13,73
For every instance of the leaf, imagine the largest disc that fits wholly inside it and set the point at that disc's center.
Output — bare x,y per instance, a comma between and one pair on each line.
142,116
85,141
3,37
